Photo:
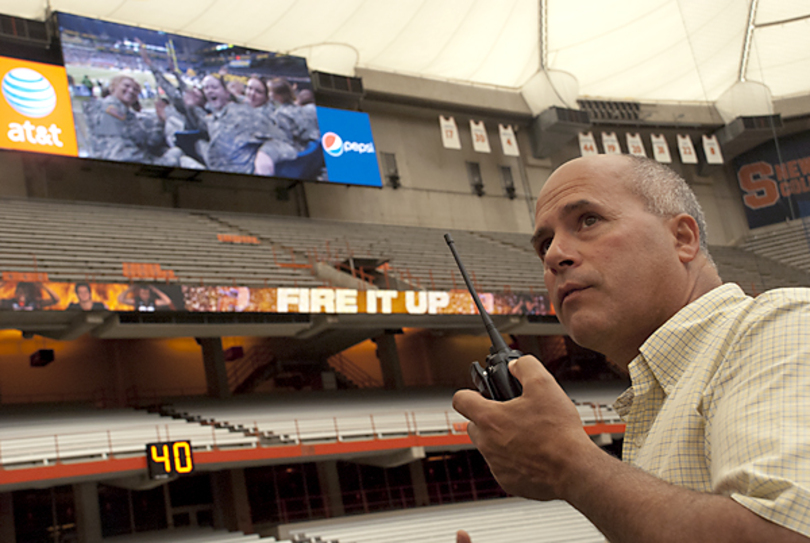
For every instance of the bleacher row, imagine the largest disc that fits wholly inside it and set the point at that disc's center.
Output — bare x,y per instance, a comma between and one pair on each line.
787,243
493,521
80,241
40,435
504,520
191,535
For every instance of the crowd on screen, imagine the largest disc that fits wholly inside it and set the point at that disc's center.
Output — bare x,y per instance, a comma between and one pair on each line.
31,296
216,120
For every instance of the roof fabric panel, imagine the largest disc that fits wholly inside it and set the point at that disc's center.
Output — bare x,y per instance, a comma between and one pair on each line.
645,50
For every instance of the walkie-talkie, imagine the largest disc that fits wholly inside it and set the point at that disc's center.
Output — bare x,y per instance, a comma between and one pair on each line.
495,381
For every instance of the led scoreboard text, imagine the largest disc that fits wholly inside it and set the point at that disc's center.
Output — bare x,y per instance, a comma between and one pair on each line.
166,459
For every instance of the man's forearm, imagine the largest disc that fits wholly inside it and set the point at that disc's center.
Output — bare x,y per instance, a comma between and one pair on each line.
630,506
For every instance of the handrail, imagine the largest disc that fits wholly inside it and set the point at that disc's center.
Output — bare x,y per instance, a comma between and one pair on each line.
355,373
288,430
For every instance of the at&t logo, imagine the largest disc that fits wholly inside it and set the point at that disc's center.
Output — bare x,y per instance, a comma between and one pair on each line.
32,95
335,146
29,93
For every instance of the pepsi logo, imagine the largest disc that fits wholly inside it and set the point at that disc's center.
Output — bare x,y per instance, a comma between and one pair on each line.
28,92
332,144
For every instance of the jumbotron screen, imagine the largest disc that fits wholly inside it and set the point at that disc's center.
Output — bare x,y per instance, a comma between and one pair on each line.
150,97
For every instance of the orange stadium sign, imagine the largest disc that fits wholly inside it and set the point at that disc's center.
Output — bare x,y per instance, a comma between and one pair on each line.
35,109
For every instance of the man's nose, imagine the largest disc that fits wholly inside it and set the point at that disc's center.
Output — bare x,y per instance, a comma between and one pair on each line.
560,254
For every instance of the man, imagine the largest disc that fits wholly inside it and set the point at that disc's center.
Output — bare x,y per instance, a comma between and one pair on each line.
298,124
717,446
85,296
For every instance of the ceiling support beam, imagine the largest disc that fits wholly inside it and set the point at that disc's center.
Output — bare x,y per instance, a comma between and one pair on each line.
749,37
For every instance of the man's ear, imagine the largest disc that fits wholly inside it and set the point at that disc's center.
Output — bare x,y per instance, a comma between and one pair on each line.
687,236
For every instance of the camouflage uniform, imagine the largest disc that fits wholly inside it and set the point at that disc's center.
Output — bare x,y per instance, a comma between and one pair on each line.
237,134
297,124
121,134
194,119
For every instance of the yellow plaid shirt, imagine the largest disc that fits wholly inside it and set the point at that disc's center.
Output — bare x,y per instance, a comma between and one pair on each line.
720,402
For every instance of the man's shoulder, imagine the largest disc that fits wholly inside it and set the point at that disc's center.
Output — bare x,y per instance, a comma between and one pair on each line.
783,296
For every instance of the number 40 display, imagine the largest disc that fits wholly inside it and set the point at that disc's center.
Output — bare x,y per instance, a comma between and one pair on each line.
169,458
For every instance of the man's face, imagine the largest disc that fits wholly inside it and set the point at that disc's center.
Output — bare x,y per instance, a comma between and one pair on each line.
610,266
127,90
144,294
83,293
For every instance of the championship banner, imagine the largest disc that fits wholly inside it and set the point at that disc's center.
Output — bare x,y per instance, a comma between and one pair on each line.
610,143
449,131
687,150
587,144
711,148
151,297
508,140
635,145
660,148
775,186
479,137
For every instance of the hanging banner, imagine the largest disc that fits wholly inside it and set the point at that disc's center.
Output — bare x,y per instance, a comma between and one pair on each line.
660,148
508,140
775,186
712,149
687,150
635,146
449,130
479,137
610,143
587,144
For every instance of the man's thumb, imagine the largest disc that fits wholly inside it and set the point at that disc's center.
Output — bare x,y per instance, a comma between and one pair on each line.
463,537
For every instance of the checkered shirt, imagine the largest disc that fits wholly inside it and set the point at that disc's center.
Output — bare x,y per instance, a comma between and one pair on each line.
720,402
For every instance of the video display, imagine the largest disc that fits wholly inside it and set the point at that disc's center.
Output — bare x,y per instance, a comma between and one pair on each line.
150,97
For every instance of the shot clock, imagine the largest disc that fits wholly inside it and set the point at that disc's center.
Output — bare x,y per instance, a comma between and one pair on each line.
167,459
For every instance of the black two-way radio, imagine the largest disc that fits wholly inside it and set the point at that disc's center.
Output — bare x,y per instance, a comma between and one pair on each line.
495,381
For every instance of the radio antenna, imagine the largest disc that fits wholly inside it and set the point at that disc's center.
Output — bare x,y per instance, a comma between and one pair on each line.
498,344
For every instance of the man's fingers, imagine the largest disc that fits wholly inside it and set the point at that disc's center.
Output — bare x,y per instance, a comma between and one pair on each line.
527,367
463,537
468,403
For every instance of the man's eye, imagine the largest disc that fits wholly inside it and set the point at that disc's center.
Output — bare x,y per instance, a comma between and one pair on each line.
542,247
590,220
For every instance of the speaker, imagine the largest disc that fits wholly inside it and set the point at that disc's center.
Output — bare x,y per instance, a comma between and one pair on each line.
42,358
744,133
554,128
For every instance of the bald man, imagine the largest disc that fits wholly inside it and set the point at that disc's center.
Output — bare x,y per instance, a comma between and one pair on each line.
717,445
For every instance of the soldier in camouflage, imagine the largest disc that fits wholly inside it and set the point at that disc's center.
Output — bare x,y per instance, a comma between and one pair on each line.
292,120
119,133
240,140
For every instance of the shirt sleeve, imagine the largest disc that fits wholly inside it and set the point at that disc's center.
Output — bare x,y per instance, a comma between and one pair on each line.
760,431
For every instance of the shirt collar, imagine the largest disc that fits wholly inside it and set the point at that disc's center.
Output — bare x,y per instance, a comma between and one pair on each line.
668,351
666,354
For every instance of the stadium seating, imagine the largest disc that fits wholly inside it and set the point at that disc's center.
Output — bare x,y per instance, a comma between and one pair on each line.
189,535
32,435
786,243
492,521
37,435
298,418
79,242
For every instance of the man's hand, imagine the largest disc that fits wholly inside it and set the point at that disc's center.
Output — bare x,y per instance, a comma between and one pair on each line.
531,441
463,537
